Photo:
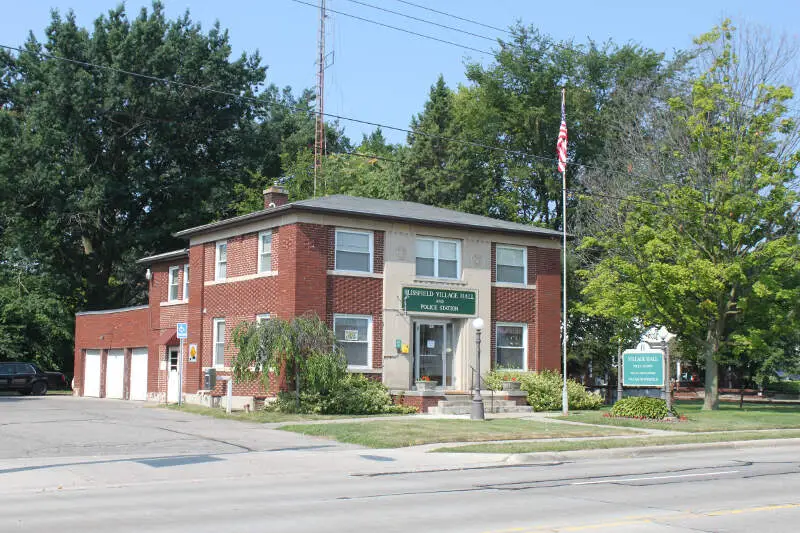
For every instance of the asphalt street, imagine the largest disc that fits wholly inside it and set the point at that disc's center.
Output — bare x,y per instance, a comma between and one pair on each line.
83,465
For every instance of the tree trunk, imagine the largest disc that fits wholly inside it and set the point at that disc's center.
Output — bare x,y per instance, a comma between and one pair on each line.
711,401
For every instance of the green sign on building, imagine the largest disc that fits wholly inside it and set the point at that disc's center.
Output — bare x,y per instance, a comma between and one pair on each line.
423,300
643,369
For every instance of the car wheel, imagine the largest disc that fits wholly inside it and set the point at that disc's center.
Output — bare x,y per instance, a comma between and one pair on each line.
39,388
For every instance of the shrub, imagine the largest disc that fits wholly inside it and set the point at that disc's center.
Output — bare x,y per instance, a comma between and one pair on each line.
640,407
784,387
544,389
494,379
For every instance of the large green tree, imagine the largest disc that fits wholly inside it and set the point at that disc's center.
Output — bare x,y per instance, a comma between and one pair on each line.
98,167
711,251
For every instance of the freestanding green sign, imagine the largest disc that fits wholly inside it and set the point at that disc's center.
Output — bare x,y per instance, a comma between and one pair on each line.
443,301
643,368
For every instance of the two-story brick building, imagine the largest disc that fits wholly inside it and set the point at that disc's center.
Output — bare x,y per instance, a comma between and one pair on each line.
398,282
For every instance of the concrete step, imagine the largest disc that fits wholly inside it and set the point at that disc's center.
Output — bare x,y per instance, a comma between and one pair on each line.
461,406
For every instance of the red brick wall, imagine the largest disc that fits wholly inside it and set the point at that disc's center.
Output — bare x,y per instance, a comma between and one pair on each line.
547,264
422,403
197,268
303,260
515,305
123,329
359,296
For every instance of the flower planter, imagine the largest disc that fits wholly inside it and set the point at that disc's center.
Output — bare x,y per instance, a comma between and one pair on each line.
426,385
511,385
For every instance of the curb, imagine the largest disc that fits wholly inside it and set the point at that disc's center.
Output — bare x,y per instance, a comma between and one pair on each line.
647,451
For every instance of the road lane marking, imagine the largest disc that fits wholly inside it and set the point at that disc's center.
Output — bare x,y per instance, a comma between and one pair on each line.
753,509
650,519
652,478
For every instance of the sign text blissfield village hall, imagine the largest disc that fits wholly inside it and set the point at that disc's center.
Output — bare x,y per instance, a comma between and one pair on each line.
438,301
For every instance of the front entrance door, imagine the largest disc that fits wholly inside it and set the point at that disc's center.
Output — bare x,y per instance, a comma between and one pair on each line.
433,352
173,380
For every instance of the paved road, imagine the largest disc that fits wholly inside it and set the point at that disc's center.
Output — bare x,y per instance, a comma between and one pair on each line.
96,465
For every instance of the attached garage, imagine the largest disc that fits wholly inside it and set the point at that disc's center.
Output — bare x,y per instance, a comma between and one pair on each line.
91,374
138,374
115,374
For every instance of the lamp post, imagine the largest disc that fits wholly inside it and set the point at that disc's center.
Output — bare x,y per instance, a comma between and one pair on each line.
477,412
665,337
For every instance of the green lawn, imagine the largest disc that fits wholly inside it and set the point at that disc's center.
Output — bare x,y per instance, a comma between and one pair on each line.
565,446
728,418
399,433
254,416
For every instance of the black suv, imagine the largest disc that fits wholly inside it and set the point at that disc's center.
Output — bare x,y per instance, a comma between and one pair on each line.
23,378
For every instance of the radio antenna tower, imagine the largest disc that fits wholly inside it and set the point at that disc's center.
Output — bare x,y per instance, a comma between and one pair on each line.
319,129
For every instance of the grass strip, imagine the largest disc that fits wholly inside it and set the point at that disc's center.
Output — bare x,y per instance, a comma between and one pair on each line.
603,444
729,417
260,416
401,433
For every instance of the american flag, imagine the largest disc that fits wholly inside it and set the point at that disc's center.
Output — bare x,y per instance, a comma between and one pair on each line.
561,145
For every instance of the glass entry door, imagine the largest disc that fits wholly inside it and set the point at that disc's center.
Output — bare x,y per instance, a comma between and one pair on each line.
433,353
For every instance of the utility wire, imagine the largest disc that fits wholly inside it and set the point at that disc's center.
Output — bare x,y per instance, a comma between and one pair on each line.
455,16
396,28
425,21
466,142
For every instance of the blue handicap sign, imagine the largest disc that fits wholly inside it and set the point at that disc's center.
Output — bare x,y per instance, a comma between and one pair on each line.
183,330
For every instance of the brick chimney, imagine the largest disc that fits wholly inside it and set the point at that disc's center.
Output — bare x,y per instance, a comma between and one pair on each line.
275,196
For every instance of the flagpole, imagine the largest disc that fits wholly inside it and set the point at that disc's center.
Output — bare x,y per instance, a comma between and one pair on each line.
564,395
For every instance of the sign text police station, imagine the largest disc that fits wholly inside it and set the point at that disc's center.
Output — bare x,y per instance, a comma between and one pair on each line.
421,300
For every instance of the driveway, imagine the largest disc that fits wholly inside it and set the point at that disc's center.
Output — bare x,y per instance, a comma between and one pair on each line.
63,426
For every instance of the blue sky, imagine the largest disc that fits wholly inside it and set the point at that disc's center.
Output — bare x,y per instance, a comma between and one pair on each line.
382,75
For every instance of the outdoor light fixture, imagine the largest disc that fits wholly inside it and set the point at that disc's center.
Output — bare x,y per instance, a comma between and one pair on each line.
148,275
477,412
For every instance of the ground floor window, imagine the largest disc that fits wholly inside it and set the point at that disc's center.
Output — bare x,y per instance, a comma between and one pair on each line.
219,342
512,346
354,335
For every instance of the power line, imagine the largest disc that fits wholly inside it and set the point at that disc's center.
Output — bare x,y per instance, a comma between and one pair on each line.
426,8
396,28
466,142
425,21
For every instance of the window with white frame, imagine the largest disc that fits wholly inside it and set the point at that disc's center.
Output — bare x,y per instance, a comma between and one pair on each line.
221,270
186,281
263,317
353,250
173,284
354,336
219,342
438,258
512,346
265,251
511,264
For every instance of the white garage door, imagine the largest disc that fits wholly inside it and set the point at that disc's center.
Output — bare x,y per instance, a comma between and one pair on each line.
115,374
139,374
91,374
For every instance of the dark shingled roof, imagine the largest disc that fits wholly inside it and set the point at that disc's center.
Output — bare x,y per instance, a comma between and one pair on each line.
397,210
166,256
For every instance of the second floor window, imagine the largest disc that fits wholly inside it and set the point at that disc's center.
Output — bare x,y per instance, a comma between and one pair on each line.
173,284
186,282
438,258
353,250
221,271
265,251
511,263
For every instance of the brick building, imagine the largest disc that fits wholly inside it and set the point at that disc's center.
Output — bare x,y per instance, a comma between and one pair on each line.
398,282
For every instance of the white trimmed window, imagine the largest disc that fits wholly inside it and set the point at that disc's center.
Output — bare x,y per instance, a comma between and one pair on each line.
512,346
354,335
219,342
438,258
186,282
173,284
221,261
265,251
353,250
511,264
263,317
